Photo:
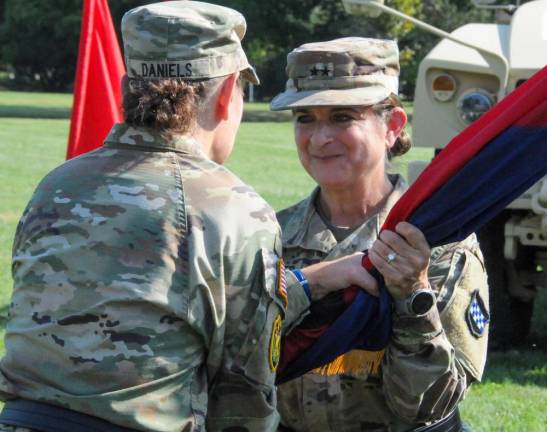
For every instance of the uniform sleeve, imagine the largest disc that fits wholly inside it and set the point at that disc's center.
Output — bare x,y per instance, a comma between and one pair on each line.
432,359
243,395
298,302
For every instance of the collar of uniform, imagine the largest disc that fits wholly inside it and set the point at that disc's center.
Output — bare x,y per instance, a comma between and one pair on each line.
304,227
364,236
147,138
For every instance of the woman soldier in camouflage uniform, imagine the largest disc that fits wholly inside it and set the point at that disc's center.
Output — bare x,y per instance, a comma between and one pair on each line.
348,122
148,290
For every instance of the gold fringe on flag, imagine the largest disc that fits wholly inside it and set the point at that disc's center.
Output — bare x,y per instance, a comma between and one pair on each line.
358,362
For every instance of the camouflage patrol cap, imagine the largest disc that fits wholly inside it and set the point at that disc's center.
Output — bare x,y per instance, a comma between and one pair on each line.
350,71
185,39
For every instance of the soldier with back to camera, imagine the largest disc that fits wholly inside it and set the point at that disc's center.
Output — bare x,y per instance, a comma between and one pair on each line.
148,290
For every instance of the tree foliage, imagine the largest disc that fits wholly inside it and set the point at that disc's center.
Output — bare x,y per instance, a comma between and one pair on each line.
40,38
276,27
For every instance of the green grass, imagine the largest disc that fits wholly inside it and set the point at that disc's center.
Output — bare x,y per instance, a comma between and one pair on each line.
29,148
35,105
256,106
513,394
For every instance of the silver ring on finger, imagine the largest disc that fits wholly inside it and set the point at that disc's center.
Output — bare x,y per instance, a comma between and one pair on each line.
391,257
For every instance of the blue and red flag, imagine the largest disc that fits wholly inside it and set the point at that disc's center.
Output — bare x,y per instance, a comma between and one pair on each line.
480,172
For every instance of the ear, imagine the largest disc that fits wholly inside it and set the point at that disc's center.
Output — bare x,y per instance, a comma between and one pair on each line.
395,125
226,92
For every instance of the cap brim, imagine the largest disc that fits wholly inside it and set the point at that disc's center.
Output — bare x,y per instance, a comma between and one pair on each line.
360,96
250,75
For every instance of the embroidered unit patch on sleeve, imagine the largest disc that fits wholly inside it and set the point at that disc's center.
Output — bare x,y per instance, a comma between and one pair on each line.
275,343
282,282
476,315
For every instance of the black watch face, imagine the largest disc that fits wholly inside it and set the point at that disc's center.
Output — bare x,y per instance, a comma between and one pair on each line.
422,302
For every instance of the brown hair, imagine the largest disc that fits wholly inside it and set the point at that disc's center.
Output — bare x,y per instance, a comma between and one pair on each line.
383,109
169,106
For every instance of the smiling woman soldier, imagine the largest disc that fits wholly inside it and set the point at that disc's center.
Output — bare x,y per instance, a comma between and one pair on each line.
348,121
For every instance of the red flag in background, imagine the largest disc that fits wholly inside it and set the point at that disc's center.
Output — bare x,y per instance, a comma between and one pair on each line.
97,89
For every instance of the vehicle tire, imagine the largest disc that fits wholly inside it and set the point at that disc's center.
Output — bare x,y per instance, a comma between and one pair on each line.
510,318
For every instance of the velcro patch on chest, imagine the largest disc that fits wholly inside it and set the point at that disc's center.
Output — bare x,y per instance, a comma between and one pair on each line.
476,315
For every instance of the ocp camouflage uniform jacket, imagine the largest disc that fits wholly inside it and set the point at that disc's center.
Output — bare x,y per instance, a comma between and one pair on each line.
430,360
146,291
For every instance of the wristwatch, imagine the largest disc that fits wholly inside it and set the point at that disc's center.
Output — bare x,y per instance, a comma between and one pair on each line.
419,302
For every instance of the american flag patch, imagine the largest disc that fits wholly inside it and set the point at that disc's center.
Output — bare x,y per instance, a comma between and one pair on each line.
282,282
477,316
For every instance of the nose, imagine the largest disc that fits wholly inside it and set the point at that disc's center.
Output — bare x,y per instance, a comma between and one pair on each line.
322,135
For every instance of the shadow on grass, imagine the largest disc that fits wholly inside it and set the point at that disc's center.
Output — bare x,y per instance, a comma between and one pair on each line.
524,367
22,111
267,116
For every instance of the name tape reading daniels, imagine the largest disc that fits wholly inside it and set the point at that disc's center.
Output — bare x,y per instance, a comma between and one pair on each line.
166,70
193,69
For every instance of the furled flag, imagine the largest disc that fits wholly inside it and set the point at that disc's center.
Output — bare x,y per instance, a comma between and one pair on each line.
97,89
480,172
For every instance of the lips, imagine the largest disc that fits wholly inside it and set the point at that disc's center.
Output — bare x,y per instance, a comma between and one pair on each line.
326,157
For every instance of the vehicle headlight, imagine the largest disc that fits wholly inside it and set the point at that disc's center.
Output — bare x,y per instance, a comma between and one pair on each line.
443,87
474,103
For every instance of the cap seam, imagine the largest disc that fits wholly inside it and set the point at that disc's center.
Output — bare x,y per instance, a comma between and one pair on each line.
185,59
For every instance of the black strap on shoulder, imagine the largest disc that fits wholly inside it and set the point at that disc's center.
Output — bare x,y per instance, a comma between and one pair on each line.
44,417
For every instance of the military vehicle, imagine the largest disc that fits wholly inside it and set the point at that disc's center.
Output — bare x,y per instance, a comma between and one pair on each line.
462,77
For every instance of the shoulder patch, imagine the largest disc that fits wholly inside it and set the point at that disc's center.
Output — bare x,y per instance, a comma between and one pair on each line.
275,343
476,315
282,282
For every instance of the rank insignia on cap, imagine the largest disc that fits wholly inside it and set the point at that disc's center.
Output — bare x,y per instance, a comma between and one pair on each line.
275,343
322,70
476,315
282,282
